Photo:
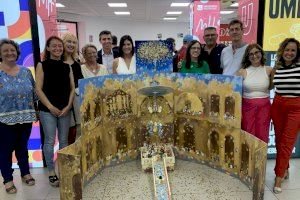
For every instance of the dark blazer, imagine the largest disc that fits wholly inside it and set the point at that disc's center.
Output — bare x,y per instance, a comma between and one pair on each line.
99,59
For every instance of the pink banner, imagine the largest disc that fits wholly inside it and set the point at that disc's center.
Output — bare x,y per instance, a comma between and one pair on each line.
224,34
248,14
46,11
206,14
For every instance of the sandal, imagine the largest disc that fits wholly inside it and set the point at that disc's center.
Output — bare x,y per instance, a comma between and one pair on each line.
277,189
28,180
12,189
54,181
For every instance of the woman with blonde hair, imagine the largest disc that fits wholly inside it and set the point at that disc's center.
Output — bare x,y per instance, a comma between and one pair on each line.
91,68
285,111
71,58
256,106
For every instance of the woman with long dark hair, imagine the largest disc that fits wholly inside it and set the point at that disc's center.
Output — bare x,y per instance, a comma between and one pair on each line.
55,88
126,63
194,62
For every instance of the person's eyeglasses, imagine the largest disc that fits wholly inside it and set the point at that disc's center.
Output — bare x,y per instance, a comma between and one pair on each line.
195,48
256,53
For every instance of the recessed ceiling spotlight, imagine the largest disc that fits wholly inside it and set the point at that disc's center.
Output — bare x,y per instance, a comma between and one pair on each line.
226,12
117,5
122,13
170,18
180,4
59,5
174,12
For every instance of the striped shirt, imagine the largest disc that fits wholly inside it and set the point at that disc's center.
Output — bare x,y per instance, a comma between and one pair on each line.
287,81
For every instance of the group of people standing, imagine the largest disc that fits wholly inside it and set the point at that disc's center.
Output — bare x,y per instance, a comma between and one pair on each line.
54,95
56,87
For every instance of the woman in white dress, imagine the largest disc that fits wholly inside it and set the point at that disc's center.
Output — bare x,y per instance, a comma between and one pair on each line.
126,63
91,68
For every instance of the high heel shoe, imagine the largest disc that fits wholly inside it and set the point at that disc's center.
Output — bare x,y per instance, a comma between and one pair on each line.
277,189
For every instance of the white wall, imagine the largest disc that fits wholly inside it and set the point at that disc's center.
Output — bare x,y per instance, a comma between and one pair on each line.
92,26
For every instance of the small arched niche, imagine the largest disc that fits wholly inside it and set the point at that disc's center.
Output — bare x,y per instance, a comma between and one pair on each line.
99,148
245,159
97,112
229,151
214,143
121,136
229,107
86,116
189,136
215,105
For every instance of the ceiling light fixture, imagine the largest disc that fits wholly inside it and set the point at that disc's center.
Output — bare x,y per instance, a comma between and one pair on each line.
170,18
59,5
226,12
180,4
174,12
122,13
117,5
235,4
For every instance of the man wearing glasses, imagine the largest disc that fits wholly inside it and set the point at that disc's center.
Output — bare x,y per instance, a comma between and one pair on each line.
212,50
231,57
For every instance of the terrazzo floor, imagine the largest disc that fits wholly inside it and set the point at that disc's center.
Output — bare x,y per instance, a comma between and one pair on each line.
188,181
127,182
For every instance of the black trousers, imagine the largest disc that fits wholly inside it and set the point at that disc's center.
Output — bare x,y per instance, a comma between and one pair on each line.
14,138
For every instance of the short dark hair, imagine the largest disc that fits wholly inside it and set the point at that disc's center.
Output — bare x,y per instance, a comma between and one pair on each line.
236,21
114,40
105,32
123,38
210,28
13,43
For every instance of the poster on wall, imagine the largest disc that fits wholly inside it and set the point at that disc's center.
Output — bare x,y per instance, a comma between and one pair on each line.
206,14
248,14
224,34
281,20
66,27
15,25
47,20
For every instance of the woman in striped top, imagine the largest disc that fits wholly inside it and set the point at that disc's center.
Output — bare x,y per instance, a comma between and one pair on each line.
285,110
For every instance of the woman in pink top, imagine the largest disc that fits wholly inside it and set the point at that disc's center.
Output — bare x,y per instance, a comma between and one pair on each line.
256,104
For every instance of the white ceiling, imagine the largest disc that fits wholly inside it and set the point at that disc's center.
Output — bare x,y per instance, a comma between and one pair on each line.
141,10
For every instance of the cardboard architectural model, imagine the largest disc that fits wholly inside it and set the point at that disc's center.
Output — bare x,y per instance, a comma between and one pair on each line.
199,116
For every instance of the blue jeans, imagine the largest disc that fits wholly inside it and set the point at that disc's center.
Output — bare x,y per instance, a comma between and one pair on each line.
14,138
49,124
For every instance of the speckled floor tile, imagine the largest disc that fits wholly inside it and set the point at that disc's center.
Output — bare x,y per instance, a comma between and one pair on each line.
188,181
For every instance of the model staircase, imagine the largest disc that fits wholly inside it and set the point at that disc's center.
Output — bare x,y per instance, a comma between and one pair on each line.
162,189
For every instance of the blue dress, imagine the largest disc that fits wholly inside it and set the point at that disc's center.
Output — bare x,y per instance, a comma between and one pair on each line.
17,97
